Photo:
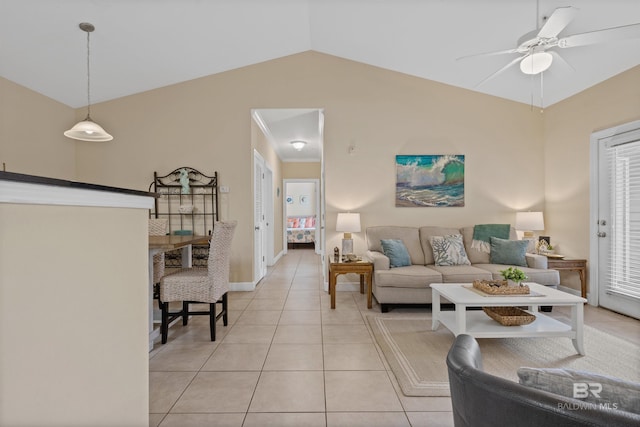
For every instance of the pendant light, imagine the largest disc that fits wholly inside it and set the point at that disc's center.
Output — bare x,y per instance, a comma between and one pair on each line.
88,130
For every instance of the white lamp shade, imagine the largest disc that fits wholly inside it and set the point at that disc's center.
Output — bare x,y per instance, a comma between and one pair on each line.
536,62
348,222
529,221
88,130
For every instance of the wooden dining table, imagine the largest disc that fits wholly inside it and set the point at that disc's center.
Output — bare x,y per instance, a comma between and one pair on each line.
159,244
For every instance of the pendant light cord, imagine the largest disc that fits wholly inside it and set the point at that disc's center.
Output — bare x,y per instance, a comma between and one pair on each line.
88,76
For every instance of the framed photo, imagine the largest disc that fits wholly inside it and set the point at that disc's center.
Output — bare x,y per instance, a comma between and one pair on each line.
430,180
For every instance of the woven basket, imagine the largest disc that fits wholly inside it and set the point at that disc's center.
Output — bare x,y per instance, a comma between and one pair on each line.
509,316
500,287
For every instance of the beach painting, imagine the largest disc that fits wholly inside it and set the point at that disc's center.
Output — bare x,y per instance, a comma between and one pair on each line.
430,180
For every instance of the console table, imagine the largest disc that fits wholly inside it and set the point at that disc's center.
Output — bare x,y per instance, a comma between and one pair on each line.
578,265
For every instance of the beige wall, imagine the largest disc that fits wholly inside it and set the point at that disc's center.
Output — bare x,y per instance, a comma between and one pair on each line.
73,316
301,170
568,126
31,139
205,123
516,158
273,162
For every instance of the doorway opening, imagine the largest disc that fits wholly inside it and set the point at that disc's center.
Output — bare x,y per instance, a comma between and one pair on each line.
301,213
289,144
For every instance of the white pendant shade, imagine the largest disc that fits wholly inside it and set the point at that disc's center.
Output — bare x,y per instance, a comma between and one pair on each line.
536,62
88,130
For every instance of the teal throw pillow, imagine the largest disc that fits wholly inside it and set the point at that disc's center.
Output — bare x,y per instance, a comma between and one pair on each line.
509,252
396,251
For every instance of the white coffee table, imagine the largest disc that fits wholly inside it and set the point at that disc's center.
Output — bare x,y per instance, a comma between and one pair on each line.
477,324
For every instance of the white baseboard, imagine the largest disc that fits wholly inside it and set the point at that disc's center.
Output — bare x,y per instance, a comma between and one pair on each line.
575,292
343,286
569,290
242,286
277,258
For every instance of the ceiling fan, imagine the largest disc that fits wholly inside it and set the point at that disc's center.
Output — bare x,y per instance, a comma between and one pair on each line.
534,47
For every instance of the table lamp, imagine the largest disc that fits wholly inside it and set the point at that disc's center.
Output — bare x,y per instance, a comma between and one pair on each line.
348,223
529,222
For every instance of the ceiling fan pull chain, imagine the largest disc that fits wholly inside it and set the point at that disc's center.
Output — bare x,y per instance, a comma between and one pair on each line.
542,92
531,76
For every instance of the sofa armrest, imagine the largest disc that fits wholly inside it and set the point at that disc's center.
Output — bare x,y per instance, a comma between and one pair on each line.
380,260
536,261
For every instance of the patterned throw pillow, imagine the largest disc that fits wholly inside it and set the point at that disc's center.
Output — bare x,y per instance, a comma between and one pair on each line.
449,250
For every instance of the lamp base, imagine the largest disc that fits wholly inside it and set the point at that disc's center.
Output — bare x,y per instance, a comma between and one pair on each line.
347,246
527,235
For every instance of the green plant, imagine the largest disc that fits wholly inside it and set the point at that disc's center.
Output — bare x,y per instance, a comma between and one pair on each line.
513,273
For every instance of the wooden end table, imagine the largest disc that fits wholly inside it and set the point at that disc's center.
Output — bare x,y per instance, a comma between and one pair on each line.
579,265
363,268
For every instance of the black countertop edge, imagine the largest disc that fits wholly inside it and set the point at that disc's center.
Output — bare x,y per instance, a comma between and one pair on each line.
32,179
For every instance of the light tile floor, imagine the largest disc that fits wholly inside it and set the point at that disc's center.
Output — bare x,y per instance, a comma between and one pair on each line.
287,359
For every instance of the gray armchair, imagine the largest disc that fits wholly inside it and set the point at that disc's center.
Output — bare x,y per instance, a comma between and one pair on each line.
481,399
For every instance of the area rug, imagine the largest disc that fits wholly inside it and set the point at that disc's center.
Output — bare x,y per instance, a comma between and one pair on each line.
417,355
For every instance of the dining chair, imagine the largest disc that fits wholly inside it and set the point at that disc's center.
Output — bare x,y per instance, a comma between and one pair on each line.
198,285
157,227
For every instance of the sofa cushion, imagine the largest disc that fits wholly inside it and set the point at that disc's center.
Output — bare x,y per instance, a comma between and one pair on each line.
449,250
408,235
535,275
609,390
508,252
474,255
426,233
412,276
462,273
397,253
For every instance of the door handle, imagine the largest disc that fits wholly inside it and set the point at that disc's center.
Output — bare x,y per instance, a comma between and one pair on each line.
602,234
257,227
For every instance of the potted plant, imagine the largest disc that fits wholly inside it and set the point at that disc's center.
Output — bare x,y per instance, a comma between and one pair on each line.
514,274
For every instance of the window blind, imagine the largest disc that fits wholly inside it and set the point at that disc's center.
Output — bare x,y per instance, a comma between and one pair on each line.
624,255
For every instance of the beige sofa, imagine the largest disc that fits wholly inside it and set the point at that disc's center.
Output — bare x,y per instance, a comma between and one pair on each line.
410,284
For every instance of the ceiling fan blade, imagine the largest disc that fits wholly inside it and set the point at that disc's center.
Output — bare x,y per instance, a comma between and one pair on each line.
501,70
557,22
499,52
560,60
601,36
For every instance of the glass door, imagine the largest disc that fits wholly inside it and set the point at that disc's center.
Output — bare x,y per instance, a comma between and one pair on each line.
618,222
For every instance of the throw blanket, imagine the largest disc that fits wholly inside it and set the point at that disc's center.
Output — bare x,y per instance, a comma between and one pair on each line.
482,234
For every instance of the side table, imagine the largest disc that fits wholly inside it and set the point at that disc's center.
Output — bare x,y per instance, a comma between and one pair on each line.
579,265
363,268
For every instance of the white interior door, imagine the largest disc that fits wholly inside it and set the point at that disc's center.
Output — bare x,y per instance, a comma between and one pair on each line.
618,221
259,258
269,216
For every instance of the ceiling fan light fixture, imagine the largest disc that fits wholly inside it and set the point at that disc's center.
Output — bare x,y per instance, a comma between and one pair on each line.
88,130
298,145
536,62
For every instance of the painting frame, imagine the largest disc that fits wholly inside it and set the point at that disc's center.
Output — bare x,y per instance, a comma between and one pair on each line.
430,180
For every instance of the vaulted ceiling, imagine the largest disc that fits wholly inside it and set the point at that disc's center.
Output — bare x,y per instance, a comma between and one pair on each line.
140,45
